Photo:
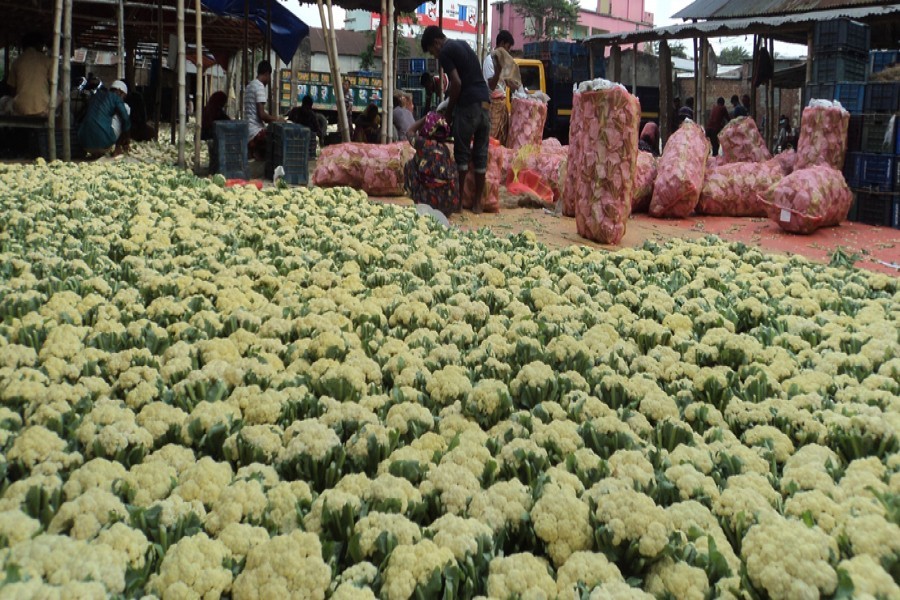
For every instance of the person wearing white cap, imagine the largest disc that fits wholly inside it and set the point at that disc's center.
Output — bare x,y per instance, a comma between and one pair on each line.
106,124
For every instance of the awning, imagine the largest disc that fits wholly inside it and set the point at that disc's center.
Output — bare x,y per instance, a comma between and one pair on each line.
287,29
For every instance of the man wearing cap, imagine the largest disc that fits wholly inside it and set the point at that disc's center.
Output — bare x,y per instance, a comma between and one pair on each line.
106,124
468,106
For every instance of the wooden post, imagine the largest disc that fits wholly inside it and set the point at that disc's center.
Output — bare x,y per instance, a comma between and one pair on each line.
440,69
479,39
198,94
697,70
615,61
66,82
772,119
182,86
634,69
809,58
159,75
665,91
385,61
246,70
54,78
755,67
331,50
700,105
392,79
484,24
120,18
591,61
273,84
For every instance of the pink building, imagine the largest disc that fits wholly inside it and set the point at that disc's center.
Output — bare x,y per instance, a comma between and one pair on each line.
610,16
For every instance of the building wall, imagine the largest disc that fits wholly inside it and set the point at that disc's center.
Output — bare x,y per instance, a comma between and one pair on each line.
607,16
319,62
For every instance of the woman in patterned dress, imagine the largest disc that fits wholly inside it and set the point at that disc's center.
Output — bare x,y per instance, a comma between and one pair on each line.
431,176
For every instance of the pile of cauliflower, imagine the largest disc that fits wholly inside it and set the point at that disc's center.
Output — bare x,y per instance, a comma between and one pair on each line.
225,392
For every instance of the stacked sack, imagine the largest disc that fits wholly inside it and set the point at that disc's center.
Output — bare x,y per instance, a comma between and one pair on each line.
733,189
526,121
644,178
376,169
742,142
823,135
493,180
681,171
602,159
808,199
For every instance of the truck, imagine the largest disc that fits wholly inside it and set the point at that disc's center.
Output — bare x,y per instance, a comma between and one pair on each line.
365,89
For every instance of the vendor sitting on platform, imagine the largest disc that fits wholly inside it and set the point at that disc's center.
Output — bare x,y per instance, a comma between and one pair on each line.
255,97
212,112
306,116
107,122
29,76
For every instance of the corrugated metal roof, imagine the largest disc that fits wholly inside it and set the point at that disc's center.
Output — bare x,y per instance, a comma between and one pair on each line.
788,28
732,9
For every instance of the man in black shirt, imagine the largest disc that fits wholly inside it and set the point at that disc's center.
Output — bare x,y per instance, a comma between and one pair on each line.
468,108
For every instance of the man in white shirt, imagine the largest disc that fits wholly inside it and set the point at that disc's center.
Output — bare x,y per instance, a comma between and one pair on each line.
403,116
255,97
491,68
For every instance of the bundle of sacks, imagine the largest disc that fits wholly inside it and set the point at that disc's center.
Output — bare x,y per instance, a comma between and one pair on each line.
801,191
527,116
546,160
376,169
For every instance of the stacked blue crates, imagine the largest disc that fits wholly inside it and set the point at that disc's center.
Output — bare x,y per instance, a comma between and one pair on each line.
288,147
228,154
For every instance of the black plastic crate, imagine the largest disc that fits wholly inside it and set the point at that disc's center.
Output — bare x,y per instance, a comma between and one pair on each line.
883,97
40,146
228,155
851,95
818,91
839,66
290,144
879,60
841,34
875,209
854,133
878,134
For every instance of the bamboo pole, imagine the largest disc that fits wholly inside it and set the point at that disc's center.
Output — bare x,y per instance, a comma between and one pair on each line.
66,82
665,91
484,25
385,61
615,60
696,76
479,39
159,75
273,96
810,40
198,94
772,119
182,91
338,81
700,107
634,69
120,22
246,70
755,63
392,79
54,78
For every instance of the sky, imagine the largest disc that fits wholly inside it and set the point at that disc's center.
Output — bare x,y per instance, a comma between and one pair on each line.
662,11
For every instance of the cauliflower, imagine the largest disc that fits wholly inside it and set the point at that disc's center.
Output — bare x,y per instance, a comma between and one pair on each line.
521,575
588,568
61,560
83,517
286,566
460,536
37,445
125,540
413,565
870,580
193,567
369,528
562,521
16,526
678,580
240,538
204,481
787,559
239,502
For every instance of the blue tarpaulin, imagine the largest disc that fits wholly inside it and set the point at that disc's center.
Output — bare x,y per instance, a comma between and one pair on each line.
287,28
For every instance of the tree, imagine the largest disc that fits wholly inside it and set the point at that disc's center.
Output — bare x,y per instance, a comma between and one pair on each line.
552,19
733,55
678,50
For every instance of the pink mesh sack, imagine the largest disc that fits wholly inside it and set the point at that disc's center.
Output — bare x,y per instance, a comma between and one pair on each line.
376,169
733,190
809,199
526,122
823,135
644,178
681,171
742,142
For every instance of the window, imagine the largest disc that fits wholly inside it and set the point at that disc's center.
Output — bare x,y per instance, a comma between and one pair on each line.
529,27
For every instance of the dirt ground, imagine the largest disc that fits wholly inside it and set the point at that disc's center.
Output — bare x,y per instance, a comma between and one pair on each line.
878,248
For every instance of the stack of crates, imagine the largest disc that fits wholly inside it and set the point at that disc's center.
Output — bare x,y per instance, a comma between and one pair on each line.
288,146
228,152
40,143
416,65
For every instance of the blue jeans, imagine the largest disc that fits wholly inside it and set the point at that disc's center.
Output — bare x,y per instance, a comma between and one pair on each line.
471,122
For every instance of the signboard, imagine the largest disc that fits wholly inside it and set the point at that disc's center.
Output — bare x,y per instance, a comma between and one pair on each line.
458,16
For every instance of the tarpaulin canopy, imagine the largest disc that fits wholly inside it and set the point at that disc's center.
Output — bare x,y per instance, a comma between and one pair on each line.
287,29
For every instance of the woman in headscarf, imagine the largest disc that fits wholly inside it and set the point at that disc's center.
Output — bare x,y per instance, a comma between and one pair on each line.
212,112
430,176
649,141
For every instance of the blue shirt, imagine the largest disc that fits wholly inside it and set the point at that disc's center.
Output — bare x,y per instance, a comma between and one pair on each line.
96,130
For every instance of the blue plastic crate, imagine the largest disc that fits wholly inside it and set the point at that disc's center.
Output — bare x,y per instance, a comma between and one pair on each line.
579,50
290,145
841,34
531,49
840,66
881,59
883,97
228,155
417,65
854,133
878,136
895,213
852,96
875,171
